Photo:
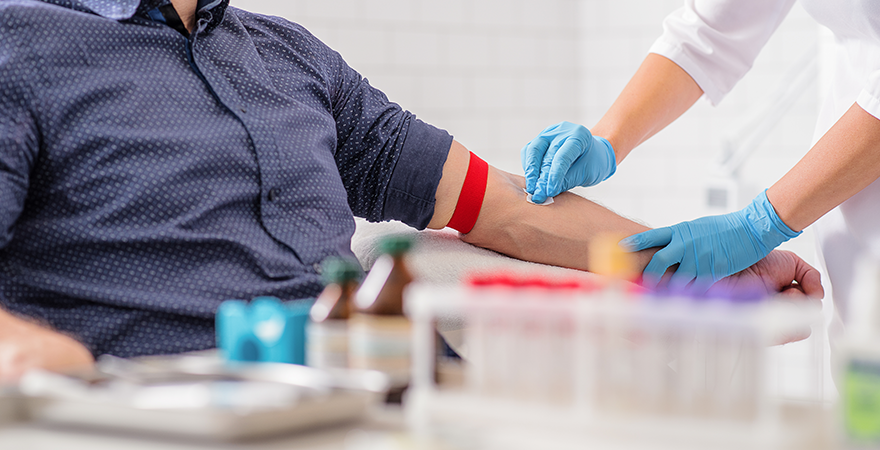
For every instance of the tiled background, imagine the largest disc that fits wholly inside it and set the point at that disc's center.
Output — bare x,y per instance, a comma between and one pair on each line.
496,72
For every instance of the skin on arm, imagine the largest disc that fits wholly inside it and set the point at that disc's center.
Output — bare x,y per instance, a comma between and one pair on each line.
556,234
559,234
658,93
25,345
844,161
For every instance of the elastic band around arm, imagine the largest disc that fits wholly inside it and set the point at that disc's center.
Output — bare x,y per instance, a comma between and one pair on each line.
467,210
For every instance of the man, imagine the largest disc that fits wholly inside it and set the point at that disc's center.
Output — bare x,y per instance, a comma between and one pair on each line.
158,157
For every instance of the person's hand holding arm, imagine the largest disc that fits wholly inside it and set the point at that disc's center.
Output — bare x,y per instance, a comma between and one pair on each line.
842,163
711,248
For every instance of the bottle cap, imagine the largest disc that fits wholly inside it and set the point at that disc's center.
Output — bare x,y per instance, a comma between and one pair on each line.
395,245
338,270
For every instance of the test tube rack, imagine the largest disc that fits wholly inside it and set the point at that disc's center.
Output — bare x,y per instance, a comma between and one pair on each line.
613,366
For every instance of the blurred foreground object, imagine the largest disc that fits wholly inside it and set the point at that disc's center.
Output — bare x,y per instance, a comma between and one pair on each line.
327,343
858,371
379,333
573,364
200,396
605,257
263,330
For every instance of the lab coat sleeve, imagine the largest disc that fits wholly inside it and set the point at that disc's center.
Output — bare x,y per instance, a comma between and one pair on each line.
716,41
869,98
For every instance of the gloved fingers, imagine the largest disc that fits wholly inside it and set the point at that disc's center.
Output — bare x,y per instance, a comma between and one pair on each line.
702,284
562,164
685,273
658,265
532,156
540,194
658,237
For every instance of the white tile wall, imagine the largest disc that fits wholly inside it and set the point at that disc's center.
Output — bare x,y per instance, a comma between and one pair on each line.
491,72
496,72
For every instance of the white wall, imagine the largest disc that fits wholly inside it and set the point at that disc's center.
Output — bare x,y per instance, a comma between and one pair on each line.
496,72
491,72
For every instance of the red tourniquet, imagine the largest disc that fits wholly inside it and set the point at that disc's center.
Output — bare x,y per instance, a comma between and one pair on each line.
471,198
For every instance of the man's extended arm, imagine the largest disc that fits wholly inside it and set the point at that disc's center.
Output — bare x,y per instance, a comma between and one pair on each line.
23,344
556,234
560,233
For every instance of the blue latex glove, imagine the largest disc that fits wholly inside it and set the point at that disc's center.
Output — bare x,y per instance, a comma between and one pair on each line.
564,156
711,248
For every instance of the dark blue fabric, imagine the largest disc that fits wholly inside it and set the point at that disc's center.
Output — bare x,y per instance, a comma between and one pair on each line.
146,177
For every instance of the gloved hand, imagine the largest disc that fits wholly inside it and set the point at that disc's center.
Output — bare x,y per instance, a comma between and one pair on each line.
564,156
711,248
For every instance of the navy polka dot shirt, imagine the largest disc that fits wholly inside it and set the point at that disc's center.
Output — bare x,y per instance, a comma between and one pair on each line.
147,175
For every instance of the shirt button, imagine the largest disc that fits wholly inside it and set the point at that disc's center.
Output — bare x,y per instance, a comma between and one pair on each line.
318,268
273,194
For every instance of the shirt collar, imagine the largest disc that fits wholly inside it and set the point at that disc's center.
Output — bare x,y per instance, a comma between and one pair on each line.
209,10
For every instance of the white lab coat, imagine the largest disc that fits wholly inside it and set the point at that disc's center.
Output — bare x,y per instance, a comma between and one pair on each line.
716,42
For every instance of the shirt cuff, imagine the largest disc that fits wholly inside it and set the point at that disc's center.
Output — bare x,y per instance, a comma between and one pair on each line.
676,54
869,98
413,185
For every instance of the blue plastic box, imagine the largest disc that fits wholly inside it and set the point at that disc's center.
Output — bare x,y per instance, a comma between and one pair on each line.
264,330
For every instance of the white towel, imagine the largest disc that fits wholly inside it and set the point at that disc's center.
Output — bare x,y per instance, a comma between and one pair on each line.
440,257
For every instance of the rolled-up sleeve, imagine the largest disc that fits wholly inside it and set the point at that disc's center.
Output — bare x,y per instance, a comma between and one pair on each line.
716,41
413,185
390,161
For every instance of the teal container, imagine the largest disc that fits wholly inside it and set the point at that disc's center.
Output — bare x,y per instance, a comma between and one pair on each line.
264,330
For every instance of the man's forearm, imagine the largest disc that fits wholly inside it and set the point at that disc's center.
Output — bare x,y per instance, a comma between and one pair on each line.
561,234
557,234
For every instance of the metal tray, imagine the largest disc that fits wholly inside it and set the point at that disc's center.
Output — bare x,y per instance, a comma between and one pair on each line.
201,396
